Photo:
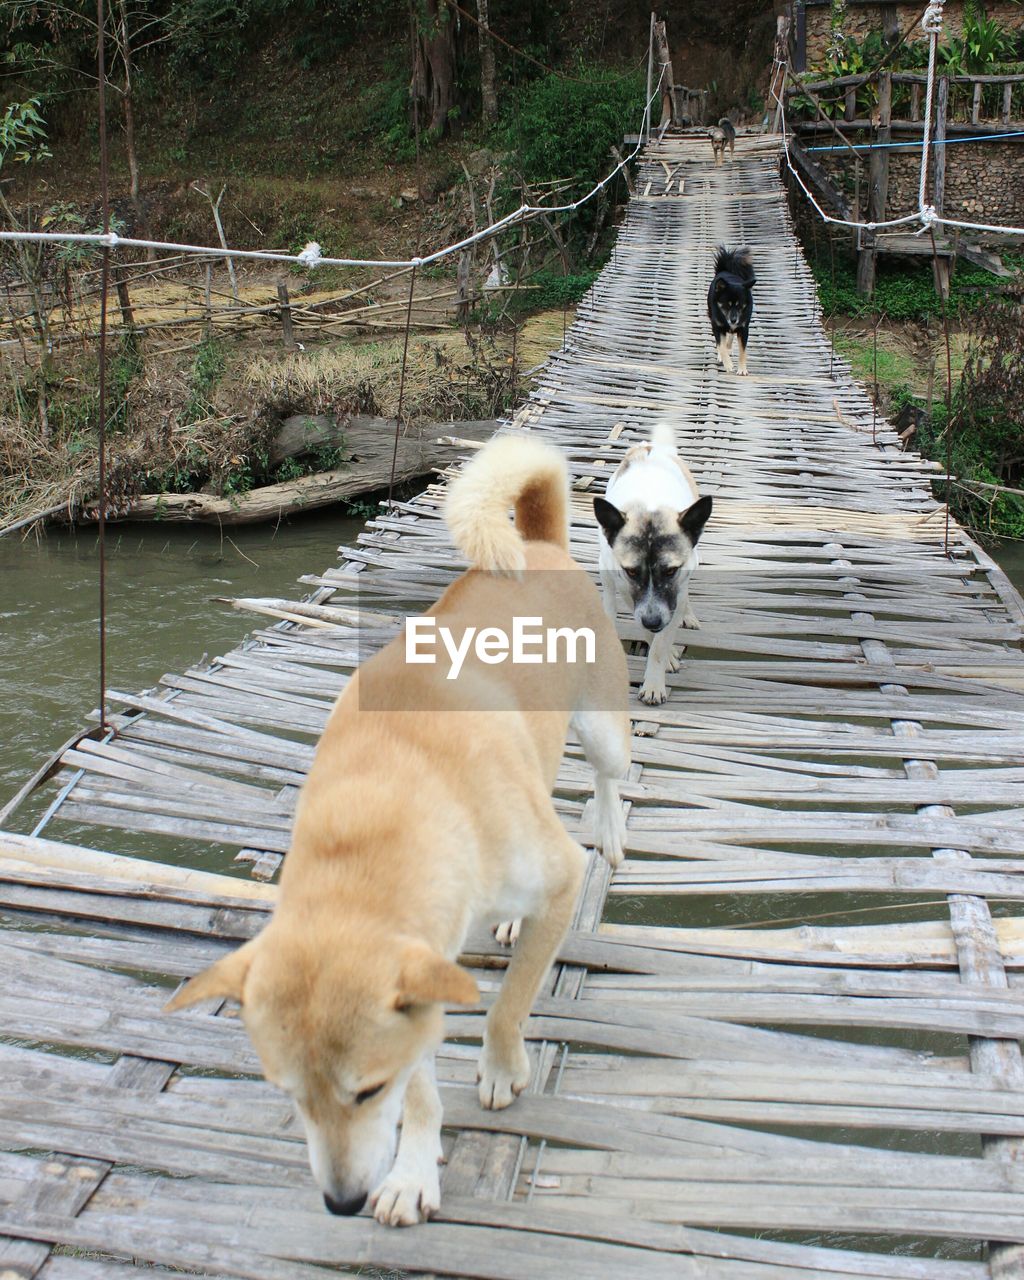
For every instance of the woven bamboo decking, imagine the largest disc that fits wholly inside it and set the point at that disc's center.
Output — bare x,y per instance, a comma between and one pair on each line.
775,1089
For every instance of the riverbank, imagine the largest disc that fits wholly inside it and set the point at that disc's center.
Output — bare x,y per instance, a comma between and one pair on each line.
199,432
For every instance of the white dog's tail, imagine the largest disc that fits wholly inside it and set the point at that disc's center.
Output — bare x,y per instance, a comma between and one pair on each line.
663,435
510,471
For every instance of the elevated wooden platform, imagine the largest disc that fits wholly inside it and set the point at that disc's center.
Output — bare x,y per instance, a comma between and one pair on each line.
761,1085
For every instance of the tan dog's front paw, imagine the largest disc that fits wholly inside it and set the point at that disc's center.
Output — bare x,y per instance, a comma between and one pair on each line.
653,692
506,934
407,1197
501,1082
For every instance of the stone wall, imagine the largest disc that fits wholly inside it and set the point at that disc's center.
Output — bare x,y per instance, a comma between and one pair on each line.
860,19
984,181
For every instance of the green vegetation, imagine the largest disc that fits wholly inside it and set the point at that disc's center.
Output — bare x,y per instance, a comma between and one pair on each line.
986,47
984,427
891,367
548,291
902,292
987,421
559,128
207,367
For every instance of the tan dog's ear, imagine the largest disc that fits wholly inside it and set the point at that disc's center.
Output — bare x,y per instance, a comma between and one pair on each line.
428,978
225,979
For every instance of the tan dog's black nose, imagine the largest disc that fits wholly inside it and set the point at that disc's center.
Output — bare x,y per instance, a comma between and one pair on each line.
344,1208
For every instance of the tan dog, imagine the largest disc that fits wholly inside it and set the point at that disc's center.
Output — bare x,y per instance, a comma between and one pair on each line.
722,135
428,807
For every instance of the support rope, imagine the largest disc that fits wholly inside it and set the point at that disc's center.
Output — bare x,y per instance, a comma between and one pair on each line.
104,293
926,215
401,388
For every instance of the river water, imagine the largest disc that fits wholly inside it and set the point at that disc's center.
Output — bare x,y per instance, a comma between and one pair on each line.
160,580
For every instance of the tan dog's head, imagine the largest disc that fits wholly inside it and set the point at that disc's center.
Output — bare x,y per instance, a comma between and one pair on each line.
340,1019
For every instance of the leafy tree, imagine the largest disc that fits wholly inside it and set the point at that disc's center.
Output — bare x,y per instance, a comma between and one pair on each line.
23,141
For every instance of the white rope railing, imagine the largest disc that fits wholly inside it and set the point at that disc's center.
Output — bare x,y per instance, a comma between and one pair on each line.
312,255
926,214
827,217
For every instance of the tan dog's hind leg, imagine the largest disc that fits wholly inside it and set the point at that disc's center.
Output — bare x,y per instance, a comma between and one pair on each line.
411,1192
605,738
504,1070
506,934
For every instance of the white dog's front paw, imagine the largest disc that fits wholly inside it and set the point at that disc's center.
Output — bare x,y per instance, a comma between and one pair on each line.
610,837
691,621
506,934
653,691
407,1196
501,1081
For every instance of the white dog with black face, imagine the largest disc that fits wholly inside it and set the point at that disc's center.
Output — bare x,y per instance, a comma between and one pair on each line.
651,519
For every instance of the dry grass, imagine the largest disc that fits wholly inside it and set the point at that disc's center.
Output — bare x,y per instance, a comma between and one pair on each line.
447,377
203,418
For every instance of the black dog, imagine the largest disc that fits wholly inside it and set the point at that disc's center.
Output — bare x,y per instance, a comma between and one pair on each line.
730,304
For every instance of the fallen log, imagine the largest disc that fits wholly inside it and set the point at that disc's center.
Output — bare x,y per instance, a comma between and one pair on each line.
305,433
368,444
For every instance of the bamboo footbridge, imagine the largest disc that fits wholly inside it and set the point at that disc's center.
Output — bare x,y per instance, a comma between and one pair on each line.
775,1089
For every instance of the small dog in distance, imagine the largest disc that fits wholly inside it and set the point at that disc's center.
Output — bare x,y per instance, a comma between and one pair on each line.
722,135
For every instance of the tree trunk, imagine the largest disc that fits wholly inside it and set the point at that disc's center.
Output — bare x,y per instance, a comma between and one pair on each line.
129,128
433,82
488,91
664,62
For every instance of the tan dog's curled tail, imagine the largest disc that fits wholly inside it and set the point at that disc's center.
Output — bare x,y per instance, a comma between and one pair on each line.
509,471
663,434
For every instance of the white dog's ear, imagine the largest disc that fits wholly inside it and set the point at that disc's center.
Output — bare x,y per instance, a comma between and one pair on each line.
222,980
693,519
610,518
426,977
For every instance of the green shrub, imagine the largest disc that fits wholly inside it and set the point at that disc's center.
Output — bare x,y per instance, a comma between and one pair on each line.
207,367
901,292
559,128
